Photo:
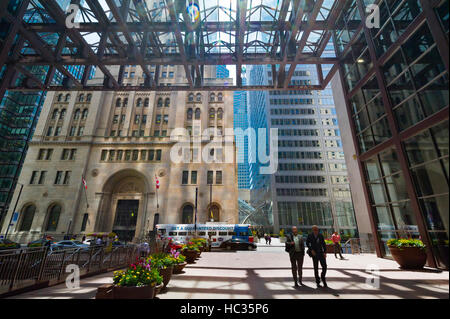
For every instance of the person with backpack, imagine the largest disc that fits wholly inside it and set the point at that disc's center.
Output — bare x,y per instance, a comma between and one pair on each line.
296,249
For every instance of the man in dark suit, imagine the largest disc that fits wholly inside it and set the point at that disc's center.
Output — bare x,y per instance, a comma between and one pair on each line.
318,248
296,249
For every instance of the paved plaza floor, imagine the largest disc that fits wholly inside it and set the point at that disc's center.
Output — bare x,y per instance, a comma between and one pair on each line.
266,274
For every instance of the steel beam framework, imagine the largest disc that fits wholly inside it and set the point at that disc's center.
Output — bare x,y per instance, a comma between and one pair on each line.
116,33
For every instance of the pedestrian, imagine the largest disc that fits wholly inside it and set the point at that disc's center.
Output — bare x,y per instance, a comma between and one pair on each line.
270,239
83,239
99,241
209,242
337,244
317,251
266,239
296,249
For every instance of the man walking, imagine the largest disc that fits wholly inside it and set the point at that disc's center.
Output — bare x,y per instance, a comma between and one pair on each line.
317,250
337,244
296,249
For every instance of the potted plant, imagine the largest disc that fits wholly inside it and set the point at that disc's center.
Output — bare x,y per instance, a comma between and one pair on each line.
330,246
408,253
179,261
164,263
191,251
138,281
201,243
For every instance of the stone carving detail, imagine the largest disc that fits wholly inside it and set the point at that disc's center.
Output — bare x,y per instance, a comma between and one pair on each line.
129,188
94,172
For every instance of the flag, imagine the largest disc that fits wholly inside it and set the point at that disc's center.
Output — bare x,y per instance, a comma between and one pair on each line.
84,182
157,182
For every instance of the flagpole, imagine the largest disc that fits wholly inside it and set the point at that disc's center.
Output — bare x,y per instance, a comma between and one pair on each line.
83,181
157,201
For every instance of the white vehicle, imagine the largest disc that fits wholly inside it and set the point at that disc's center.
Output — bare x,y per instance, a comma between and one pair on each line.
182,233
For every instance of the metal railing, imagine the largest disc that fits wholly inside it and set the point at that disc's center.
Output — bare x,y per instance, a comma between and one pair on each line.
23,268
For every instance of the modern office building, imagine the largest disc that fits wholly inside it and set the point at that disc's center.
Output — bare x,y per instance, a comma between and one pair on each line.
395,82
310,186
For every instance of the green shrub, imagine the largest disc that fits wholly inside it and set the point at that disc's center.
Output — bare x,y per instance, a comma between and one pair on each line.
401,243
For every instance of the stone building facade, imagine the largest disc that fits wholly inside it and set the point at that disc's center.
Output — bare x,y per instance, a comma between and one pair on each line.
120,143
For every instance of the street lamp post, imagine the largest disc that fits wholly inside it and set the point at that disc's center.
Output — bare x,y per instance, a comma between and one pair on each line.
195,212
14,210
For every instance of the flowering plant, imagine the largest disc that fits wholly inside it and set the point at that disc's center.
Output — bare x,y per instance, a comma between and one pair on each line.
161,260
191,246
401,243
139,274
329,242
177,257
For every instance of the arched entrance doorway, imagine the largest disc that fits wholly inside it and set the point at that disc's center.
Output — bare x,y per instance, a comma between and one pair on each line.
213,213
123,205
187,214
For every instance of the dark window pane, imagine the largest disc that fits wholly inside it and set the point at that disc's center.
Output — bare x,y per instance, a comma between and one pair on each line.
361,121
375,108
408,114
406,14
427,68
401,89
435,210
435,96
404,216
430,179
389,162
420,148
381,131
440,133
394,66
396,187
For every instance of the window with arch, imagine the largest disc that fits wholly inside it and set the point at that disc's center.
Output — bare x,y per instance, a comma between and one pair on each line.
219,113
125,102
27,218
212,97
189,114
146,102
167,102
81,98
191,97
188,214
60,97
118,102
198,97
160,102
212,114
62,114
85,114
89,97
139,102
55,114
76,114
220,97
197,113
53,218
67,98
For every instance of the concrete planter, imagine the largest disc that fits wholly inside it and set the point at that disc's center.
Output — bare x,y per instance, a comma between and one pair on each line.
158,289
409,257
177,269
144,292
166,273
190,255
